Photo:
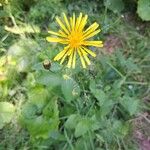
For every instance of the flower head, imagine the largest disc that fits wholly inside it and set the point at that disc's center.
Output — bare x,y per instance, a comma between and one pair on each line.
75,37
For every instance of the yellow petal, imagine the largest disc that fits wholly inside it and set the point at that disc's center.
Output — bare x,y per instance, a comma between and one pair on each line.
72,22
74,59
90,29
83,51
62,25
66,54
91,34
93,43
87,59
78,21
55,40
69,53
81,58
89,52
61,54
62,33
70,60
83,23
85,56
66,21
58,34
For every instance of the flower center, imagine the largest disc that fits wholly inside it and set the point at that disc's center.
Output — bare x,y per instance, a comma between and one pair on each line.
75,39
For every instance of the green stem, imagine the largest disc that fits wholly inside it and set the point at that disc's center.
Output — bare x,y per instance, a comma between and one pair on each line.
134,82
121,75
68,140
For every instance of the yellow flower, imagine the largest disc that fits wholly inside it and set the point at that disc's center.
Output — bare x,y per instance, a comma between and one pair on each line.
75,37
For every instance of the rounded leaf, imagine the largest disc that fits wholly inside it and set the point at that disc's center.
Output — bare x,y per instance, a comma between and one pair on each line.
6,113
143,9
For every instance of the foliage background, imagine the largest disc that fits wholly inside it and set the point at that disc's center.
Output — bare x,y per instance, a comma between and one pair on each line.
103,107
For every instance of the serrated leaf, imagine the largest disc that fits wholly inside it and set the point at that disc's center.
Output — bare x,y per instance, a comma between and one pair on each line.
40,122
49,79
143,9
92,86
30,111
98,93
115,5
55,67
131,66
38,96
120,128
39,128
95,124
51,109
70,89
121,58
38,66
106,108
101,96
72,121
6,113
130,104
82,127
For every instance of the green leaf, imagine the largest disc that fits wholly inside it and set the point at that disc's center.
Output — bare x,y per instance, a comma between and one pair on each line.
130,104
38,66
38,128
70,89
106,108
95,124
143,9
51,109
82,143
121,58
55,67
82,127
72,121
30,111
6,113
120,128
40,121
131,66
38,96
49,79
115,5
92,86
24,58
98,93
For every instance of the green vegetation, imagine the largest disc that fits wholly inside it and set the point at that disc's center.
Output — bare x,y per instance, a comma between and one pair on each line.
74,109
